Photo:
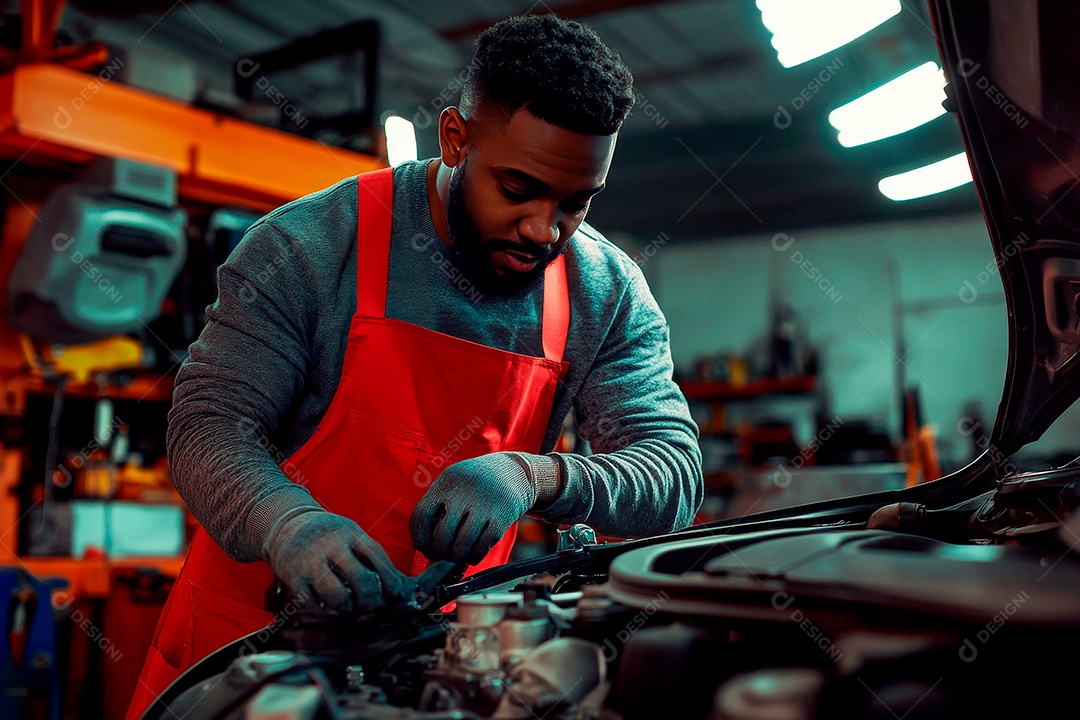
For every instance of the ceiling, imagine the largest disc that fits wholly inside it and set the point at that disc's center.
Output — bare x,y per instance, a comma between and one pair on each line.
724,142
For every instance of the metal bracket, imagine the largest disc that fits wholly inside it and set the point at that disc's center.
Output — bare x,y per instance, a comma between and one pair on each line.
576,539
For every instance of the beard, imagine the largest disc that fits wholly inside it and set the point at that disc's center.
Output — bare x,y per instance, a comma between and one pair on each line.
472,254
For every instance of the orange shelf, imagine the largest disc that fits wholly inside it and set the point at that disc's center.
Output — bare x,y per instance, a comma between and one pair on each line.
64,114
720,391
155,388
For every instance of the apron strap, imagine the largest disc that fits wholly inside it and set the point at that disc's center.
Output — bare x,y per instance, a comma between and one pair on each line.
556,322
375,213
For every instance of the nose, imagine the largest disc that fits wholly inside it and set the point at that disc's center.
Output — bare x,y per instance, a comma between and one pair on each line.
540,227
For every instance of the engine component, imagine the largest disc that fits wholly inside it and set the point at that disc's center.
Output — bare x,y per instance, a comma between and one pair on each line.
577,538
521,631
493,634
484,609
667,671
781,694
468,672
893,573
222,695
902,517
284,702
354,676
552,678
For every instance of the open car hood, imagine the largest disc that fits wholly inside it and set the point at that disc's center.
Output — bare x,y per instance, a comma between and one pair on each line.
1011,77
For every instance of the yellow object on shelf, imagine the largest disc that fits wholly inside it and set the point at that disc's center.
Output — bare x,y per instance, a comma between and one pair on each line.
81,361
738,370
96,479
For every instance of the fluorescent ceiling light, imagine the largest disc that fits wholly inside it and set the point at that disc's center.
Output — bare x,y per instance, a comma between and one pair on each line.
929,179
400,140
803,30
897,106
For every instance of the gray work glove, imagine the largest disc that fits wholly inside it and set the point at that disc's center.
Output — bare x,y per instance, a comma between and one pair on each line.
330,564
472,504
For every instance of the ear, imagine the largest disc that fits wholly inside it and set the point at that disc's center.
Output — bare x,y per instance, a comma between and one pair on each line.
453,136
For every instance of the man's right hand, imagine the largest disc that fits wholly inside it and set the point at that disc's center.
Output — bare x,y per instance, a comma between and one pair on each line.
329,563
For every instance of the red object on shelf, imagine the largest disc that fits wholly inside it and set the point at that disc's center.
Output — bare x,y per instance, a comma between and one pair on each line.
712,390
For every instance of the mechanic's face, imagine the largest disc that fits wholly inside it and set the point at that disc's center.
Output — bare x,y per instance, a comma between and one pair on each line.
519,190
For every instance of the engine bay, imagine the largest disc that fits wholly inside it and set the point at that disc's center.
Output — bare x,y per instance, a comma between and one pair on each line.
973,608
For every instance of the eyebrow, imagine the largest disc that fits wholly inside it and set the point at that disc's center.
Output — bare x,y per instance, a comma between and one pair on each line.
543,186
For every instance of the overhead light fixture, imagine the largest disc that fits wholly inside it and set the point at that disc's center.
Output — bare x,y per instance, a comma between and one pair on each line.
897,106
805,30
927,180
400,140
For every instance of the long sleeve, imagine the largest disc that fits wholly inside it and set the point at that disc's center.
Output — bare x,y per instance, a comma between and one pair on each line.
238,383
267,364
645,474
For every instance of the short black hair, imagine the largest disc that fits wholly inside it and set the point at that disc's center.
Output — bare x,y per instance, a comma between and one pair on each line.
559,70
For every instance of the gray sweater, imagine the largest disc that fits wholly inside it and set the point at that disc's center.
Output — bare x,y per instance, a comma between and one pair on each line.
267,363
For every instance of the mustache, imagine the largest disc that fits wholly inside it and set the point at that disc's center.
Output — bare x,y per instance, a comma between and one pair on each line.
531,252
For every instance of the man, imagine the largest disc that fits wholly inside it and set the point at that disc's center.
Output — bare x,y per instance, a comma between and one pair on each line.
389,361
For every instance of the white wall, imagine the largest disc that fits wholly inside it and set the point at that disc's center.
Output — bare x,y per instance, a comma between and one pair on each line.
716,298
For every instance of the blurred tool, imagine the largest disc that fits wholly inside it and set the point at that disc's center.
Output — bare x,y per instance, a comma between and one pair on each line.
920,448
105,254
29,682
784,360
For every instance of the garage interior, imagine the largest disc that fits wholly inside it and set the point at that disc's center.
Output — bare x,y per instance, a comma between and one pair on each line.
834,330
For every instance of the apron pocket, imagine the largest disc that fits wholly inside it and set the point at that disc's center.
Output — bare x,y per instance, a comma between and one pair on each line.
173,636
220,620
392,427
388,458
396,448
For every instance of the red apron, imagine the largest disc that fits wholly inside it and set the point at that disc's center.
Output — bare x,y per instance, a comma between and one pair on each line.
410,401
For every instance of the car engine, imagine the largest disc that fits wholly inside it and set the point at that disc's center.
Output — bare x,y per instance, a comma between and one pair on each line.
972,609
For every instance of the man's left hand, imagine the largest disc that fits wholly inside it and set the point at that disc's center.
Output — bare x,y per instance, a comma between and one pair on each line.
472,504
